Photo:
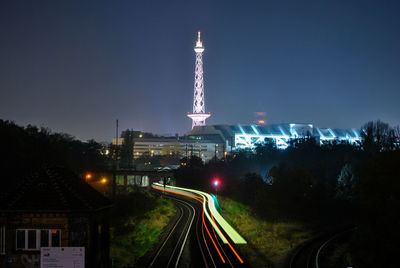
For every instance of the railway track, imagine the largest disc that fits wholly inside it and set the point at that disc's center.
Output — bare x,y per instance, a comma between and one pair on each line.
308,255
170,252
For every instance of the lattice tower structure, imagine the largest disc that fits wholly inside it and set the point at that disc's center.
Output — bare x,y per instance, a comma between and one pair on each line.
199,114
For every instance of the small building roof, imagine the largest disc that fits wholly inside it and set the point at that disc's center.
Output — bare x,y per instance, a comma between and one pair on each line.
49,190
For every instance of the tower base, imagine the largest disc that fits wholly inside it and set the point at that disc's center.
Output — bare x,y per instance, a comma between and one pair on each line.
198,119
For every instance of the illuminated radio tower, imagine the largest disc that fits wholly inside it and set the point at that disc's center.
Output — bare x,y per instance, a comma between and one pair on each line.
199,116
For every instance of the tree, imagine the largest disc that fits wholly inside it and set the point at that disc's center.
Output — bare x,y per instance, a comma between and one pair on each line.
294,192
251,190
377,243
308,143
195,162
32,147
377,137
127,149
346,182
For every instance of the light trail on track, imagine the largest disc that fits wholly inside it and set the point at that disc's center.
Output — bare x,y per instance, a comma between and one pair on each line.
228,229
215,220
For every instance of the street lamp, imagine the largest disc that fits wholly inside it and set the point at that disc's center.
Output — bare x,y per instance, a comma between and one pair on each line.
104,181
88,176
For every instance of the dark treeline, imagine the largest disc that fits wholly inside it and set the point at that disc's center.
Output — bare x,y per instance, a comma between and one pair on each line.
26,148
336,183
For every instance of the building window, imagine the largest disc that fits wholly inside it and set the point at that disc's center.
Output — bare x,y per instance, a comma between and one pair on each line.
44,238
34,239
2,240
20,239
55,238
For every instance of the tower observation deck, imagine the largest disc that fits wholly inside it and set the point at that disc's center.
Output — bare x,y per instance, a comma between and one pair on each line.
199,115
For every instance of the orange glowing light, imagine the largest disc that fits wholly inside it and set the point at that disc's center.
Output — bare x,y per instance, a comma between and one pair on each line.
212,240
103,181
88,176
261,121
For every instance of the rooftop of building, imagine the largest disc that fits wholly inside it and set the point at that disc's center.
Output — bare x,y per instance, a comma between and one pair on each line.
206,138
49,190
287,129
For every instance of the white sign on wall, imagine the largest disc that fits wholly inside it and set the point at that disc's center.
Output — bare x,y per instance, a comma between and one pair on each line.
62,257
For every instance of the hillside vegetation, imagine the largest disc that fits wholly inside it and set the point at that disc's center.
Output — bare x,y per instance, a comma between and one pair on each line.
137,221
268,242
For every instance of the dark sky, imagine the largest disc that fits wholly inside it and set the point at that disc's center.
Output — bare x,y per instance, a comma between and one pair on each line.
76,66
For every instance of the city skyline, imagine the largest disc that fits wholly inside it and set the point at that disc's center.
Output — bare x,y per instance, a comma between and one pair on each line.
77,67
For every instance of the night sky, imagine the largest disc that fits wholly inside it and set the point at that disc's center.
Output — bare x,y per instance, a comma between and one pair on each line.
77,66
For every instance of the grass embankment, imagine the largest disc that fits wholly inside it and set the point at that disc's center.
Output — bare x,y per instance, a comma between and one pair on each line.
268,242
340,256
137,221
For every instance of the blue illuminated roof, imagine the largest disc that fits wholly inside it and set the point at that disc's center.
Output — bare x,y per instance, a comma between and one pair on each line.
248,130
246,136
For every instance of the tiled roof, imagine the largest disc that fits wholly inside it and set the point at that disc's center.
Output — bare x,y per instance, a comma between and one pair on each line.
50,189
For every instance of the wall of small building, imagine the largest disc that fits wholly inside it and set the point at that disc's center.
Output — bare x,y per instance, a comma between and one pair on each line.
30,221
91,232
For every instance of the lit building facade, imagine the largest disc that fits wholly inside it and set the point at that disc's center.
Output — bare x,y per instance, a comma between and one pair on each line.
247,136
206,149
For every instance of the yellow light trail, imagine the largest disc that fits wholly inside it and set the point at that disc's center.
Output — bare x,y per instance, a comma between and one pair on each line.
204,223
234,236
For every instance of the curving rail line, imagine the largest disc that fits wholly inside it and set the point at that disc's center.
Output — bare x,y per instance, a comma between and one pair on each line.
171,242
213,230
308,255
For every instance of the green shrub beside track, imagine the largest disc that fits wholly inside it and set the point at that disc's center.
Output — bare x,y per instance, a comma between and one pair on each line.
137,221
267,241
